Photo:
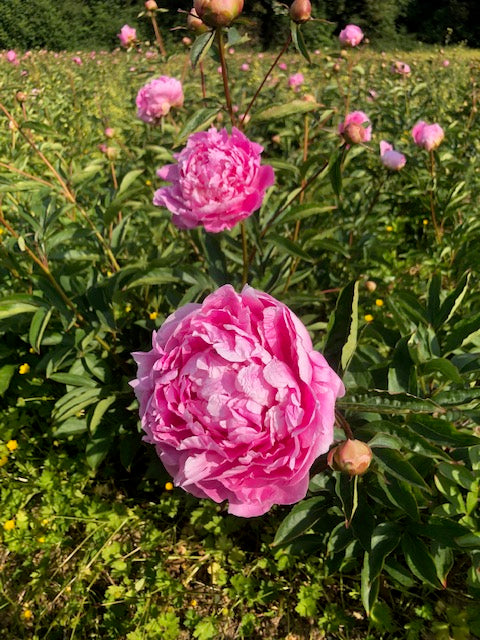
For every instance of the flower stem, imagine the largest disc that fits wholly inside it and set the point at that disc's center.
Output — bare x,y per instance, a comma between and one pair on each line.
438,229
244,254
223,62
285,47
158,36
343,424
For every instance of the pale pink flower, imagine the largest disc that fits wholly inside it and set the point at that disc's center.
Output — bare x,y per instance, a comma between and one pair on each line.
245,66
356,128
427,136
77,60
12,57
155,99
149,55
446,63
296,80
282,66
109,132
236,401
217,181
390,158
402,68
127,36
351,36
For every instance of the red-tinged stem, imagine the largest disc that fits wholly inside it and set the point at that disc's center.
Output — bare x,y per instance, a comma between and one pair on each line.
158,36
223,62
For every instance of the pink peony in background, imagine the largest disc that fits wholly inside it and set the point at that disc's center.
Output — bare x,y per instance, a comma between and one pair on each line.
217,181
155,99
296,80
402,68
356,128
390,158
236,401
427,136
351,36
127,36
12,57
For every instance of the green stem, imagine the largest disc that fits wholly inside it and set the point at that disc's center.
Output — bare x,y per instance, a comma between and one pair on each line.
223,62
438,229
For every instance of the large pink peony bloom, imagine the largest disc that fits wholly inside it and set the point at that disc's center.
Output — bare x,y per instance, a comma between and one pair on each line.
236,401
217,181
427,136
351,36
390,158
127,36
155,99
356,128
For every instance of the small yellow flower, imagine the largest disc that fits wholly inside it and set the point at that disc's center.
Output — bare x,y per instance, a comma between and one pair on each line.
425,222
27,614
148,183
44,522
379,302
24,368
128,308
9,525
368,317
41,539
3,460
193,603
12,445
168,486
109,273
31,350
389,228
153,315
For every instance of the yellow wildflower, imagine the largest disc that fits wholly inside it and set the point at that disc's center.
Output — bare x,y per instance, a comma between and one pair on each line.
128,308
41,539
44,522
368,317
12,445
153,315
3,460
379,302
168,486
425,222
148,183
24,368
9,525
193,603
389,228
27,614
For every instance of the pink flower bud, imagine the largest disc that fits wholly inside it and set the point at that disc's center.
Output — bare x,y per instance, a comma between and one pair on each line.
186,41
195,24
109,132
390,158
356,128
21,96
218,13
127,36
151,5
351,36
300,11
352,457
427,136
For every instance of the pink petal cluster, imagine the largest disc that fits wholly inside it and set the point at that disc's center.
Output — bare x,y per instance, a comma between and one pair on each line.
296,80
390,158
351,36
356,127
217,181
127,36
157,97
402,68
427,136
236,401
12,57
77,60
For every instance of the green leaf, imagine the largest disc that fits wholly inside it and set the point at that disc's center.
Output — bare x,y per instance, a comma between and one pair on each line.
17,304
73,402
379,401
346,489
302,211
216,261
39,323
335,169
368,588
458,474
301,518
452,301
98,447
463,331
339,538
73,380
155,276
442,432
443,559
433,297
6,374
394,462
71,427
291,247
299,41
200,47
401,368
295,107
400,494
419,561
201,119
100,409
442,366
385,538
128,179
342,329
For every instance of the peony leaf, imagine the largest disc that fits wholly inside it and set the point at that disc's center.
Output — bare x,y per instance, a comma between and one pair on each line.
299,41
283,110
301,518
452,302
202,119
200,47
342,328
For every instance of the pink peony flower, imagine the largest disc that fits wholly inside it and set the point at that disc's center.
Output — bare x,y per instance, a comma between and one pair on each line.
356,128
427,136
216,182
351,36
390,158
155,99
296,80
446,63
12,57
127,36
282,66
77,60
236,401
245,66
401,68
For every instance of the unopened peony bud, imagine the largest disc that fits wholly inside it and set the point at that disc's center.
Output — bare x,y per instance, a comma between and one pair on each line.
218,13
195,24
21,96
353,133
352,457
151,5
370,285
109,132
300,11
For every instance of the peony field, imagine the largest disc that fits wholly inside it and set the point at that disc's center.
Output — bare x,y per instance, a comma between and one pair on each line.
239,330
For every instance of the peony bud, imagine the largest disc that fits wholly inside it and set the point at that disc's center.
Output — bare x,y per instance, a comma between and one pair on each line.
353,133
195,24
300,11
151,5
21,96
352,457
370,285
218,13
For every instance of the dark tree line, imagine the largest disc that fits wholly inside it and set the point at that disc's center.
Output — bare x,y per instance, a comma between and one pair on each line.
89,24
